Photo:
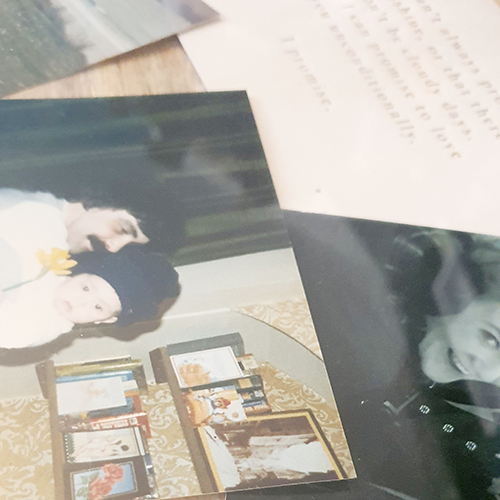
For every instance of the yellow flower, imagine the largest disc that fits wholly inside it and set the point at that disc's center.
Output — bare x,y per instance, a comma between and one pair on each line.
58,261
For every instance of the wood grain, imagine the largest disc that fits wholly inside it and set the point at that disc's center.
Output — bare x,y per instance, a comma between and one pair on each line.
159,68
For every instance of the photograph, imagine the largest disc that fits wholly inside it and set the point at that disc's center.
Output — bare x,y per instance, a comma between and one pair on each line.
137,419
88,395
129,224
264,451
50,39
112,480
414,314
128,368
126,377
101,445
215,406
206,367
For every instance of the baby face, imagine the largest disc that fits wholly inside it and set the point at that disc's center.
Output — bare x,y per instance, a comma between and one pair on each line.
464,346
87,298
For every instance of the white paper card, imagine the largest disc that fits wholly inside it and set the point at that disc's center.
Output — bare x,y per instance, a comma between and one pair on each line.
87,395
384,109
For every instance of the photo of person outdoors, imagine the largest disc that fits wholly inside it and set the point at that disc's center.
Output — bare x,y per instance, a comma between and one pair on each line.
72,35
414,315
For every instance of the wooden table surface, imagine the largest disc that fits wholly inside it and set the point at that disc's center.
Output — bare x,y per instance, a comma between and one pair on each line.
159,68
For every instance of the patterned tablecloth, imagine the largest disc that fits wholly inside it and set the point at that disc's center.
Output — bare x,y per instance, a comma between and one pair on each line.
25,448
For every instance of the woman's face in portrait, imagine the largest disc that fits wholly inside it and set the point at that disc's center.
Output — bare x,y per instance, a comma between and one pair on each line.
465,345
113,228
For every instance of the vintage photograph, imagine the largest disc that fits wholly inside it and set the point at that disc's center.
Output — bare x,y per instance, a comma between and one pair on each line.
266,450
112,196
131,225
112,480
414,314
103,445
43,40
215,406
206,367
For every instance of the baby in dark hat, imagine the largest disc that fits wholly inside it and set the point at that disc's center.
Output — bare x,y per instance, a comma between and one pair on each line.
121,288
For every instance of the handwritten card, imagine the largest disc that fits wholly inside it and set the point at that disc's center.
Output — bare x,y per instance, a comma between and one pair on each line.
385,109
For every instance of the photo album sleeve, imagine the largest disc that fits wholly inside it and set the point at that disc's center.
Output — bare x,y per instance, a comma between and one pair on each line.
142,240
381,124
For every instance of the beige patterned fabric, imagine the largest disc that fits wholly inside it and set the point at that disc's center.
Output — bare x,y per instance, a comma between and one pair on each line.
26,463
26,453
25,450
25,447
175,474
291,317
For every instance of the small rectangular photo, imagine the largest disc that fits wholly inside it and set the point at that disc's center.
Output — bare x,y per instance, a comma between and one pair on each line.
98,445
89,395
109,481
206,367
134,369
215,406
69,424
269,450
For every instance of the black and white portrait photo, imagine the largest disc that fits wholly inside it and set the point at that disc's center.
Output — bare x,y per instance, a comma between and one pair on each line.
411,316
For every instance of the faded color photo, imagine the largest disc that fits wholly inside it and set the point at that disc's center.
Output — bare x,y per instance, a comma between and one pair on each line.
413,317
131,225
268,451
42,40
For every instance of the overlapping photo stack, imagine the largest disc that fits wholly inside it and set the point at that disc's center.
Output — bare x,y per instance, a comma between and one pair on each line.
104,430
236,440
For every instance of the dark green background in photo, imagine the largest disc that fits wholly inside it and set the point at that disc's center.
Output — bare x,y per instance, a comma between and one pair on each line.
197,154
